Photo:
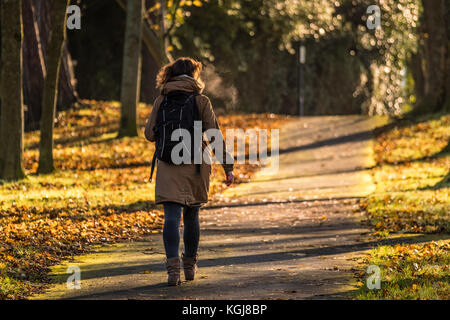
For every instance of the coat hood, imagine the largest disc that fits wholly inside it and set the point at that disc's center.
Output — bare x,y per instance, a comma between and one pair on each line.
183,82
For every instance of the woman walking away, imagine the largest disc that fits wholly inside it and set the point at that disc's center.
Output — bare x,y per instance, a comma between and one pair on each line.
182,188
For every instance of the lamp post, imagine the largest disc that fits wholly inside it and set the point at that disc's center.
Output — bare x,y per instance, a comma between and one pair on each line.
301,63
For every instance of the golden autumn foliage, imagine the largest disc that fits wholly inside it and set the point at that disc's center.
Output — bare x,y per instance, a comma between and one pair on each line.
99,194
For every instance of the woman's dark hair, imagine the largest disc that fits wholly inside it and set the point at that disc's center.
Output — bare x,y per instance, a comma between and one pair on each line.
183,65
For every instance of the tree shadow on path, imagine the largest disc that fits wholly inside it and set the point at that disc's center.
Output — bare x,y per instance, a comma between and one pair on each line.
257,258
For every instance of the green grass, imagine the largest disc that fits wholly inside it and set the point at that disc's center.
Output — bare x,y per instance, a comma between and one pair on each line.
414,271
411,197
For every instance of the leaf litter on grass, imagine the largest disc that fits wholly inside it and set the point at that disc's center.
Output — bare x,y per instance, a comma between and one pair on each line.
99,193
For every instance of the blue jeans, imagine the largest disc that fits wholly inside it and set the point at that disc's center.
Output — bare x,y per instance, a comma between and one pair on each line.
171,230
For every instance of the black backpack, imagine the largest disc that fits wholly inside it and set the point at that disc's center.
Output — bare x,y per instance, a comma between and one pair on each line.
178,110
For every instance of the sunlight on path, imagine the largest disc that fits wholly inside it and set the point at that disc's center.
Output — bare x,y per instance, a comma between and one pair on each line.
326,157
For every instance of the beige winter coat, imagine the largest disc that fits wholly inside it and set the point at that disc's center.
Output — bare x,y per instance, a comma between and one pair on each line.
182,183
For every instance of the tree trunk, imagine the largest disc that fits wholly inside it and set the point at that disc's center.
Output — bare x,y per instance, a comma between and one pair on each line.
11,119
33,65
150,40
415,64
164,37
67,93
131,69
446,107
37,25
54,52
435,49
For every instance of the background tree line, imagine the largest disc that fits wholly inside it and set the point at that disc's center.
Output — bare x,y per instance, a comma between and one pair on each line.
249,48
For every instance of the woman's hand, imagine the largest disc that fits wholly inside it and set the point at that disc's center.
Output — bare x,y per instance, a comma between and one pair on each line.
230,178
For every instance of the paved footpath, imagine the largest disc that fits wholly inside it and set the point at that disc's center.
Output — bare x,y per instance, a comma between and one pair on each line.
291,233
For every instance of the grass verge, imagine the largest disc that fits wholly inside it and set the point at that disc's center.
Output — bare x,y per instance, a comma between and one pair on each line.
412,201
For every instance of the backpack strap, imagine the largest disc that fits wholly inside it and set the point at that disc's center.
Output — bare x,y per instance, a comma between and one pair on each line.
197,118
153,167
196,111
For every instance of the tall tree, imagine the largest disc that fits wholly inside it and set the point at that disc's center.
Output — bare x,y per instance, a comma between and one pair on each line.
50,94
436,51
11,118
36,27
446,106
131,69
164,34
150,39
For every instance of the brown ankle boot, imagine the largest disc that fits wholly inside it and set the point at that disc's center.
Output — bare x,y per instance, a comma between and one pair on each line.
173,270
190,267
